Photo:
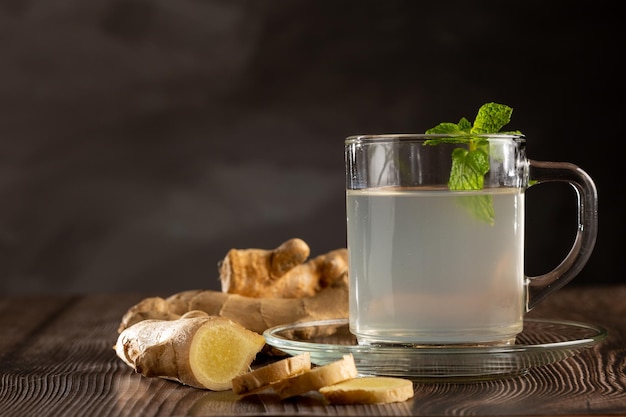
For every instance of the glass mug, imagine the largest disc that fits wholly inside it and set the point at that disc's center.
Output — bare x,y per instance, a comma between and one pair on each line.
430,266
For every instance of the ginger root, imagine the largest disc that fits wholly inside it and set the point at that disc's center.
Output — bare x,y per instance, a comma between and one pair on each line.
262,289
205,338
196,349
255,314
283,272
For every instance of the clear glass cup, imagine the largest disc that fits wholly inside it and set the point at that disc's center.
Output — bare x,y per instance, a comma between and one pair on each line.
430,265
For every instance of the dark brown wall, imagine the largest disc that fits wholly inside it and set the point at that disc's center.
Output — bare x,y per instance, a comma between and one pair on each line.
142,139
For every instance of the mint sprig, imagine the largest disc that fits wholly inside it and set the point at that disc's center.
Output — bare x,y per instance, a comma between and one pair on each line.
470,164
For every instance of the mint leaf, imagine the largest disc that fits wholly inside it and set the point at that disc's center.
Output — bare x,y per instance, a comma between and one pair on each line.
470,165
446,128
469,168
491,118
480,206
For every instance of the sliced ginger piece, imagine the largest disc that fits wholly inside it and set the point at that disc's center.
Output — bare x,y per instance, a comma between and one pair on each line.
197,350
317,378
263,378
369,390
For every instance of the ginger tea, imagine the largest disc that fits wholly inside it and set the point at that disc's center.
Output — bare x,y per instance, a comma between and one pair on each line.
424,270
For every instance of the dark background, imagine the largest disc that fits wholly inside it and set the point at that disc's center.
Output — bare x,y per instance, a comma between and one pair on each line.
140,140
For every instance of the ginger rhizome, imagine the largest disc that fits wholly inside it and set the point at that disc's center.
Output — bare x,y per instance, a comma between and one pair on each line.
256,314
283,272
189,336
262,289
197,350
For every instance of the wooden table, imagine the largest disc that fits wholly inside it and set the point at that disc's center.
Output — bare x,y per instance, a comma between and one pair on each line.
56,359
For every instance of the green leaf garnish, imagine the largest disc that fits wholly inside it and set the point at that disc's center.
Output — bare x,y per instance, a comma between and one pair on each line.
469,165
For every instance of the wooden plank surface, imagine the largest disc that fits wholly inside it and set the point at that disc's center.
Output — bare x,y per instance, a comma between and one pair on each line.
56,359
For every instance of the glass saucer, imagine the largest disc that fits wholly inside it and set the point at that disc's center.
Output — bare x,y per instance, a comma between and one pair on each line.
542,342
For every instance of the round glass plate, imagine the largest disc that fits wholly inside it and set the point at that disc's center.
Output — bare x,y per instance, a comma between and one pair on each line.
542,342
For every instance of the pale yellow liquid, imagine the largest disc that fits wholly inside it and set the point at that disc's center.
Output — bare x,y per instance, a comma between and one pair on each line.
423,270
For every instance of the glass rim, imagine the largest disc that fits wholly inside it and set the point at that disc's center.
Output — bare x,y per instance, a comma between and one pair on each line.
407,137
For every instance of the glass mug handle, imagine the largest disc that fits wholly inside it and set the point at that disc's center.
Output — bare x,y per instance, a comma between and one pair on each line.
540,286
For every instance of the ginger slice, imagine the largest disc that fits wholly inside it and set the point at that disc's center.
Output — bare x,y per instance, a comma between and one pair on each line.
317,378
263,378
369,390
197,350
